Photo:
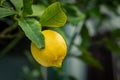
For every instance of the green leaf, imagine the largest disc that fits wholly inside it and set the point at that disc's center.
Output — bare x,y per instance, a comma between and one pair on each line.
6,12
112,45
116,33
6,4
18,4
72,78
95,12
88,58
85,37
38,10
32,29
74,14
53,16
76,20
27,7
1,2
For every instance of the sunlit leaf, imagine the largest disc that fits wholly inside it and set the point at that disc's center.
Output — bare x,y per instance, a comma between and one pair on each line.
1,2
38,10
53,16
6,12
32,29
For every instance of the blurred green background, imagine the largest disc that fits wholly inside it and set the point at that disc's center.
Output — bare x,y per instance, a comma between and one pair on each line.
92,33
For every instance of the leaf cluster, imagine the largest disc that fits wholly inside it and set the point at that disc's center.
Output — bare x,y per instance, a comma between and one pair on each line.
25,15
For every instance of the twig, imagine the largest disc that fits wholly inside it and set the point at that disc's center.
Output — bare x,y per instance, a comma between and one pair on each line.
11,45
10,28
4,33
76,32
8,36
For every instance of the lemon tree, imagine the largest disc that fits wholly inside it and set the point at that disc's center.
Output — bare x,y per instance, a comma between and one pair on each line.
31,19
45,44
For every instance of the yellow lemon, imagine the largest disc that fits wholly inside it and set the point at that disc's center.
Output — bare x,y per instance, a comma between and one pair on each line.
54,52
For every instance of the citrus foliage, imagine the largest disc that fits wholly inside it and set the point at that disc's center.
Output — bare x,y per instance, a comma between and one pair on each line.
32,27
23,12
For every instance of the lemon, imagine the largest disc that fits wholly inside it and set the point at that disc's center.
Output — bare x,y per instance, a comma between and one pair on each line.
54,52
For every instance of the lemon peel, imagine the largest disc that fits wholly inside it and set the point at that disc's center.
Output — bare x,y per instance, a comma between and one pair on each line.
54,52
